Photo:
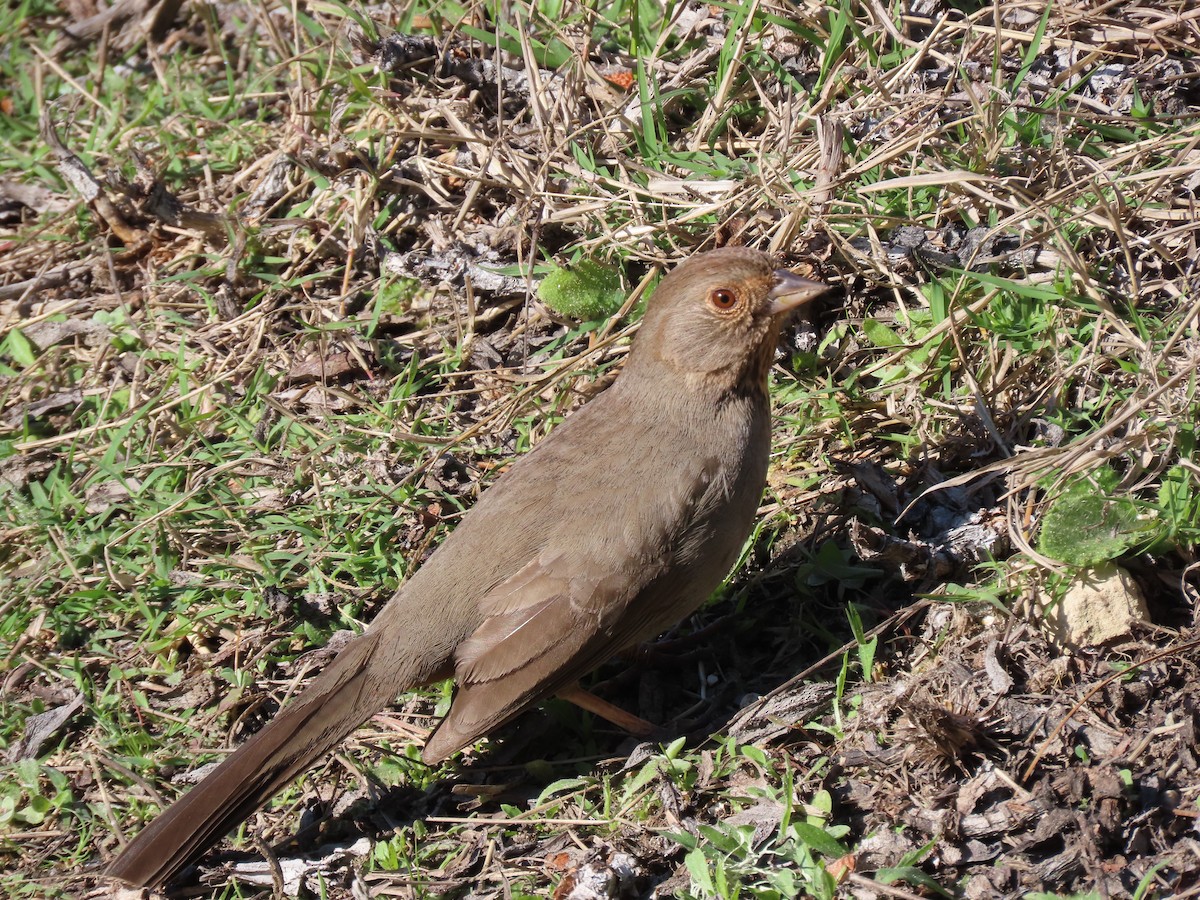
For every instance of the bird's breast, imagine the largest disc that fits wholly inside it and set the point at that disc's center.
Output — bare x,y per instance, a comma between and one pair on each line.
731,470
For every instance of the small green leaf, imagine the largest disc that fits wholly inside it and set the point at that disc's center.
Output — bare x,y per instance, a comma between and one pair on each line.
586,291
35,812
563,785
818,839
911,875
880,335
697,867
683,838
673,749
1086,526
20,349
726,843
642,778
866,648
754,754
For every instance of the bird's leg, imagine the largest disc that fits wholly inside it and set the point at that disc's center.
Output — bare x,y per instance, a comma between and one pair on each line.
667,652
636,726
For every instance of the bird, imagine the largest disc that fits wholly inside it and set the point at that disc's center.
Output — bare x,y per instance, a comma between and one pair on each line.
612,529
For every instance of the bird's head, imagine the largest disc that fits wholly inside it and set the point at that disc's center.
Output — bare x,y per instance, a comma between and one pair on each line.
716,317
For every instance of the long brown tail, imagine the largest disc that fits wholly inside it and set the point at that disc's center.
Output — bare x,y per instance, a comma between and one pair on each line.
355,686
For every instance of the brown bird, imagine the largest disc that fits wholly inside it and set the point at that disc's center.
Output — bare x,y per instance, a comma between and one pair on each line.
616,526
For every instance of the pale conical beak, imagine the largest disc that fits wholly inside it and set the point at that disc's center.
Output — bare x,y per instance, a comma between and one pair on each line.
792,291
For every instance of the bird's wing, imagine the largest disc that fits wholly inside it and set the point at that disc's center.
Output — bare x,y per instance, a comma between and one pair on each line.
548,625
546,613
573,606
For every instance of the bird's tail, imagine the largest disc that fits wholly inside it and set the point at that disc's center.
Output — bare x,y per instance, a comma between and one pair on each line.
341,698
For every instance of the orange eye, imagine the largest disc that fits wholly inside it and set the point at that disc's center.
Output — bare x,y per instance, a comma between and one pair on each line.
723,299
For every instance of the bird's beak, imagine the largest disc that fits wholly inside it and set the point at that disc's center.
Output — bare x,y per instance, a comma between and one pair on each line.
792,291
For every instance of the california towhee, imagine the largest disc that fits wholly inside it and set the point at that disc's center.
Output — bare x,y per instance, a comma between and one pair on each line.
616,526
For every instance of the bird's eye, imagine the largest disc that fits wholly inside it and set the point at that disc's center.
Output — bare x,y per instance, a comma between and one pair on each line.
723,299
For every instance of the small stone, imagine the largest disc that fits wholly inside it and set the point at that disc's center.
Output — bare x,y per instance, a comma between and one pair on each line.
1102,604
